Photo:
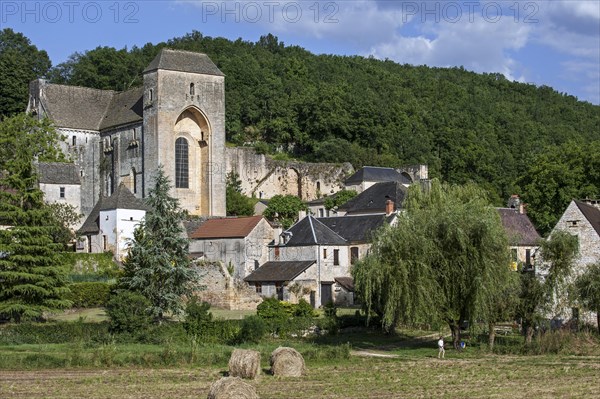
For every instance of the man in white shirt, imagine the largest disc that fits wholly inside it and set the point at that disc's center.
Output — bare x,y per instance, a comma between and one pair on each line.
441,351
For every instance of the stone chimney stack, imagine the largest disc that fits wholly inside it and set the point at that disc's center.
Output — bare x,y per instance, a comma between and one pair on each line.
389,207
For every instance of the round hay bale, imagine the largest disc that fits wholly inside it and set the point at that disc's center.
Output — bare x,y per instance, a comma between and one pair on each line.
244,363
232,388
287,362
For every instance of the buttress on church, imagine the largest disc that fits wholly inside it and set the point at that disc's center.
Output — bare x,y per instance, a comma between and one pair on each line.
117,140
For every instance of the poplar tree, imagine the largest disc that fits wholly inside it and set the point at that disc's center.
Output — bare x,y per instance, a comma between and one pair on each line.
157,265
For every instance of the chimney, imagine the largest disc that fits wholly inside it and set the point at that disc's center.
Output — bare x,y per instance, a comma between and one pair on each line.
514,202
389,207
277,230
523,208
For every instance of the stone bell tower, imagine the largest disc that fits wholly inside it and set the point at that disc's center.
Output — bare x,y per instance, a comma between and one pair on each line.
184,129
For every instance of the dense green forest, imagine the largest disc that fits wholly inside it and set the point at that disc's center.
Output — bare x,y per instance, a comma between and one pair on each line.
507,137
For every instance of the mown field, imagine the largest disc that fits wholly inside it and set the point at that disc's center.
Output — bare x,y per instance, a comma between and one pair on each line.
490,376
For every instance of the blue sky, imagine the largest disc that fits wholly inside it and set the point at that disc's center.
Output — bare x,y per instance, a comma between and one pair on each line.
554,43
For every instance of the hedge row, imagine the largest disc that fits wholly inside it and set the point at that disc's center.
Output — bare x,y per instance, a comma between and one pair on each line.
89,294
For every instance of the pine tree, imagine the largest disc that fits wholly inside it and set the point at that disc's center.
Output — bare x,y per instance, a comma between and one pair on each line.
33,279
158,266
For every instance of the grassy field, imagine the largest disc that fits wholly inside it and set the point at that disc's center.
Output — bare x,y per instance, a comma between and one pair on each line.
358,377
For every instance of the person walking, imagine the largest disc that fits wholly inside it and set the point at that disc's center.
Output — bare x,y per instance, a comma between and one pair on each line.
441,351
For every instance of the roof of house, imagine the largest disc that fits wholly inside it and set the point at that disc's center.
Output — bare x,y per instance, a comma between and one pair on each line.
279,271
309,231
376,174
346,282
184,61
226,227
58,173
591,213
122,198
374,198
518,227
355,229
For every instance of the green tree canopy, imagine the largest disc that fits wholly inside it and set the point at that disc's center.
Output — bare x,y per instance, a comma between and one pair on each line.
237,203
20,63
443,261
284,209
339,198
157,265
588,289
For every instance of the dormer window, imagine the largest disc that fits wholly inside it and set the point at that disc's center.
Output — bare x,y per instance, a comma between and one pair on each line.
572,223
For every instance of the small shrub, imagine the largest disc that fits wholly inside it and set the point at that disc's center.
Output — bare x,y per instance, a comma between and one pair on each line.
329,309
198,319
272,308
128,312
253,329
88,294
303,309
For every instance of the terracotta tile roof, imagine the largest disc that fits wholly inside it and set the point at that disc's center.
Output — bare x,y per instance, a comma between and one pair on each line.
226,227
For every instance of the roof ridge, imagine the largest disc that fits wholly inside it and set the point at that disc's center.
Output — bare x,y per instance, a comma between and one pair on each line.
82,87
327,227
312,229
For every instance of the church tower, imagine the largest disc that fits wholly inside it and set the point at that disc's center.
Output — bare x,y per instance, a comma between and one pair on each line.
184,129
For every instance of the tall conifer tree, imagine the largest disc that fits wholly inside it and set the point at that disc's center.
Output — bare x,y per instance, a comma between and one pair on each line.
158,266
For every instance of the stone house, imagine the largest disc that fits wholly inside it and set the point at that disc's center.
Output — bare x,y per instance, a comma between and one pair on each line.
176,119
581,219
110,225
241,244
522,236
313,259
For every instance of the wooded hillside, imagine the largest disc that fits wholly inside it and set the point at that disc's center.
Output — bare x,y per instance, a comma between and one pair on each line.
465,126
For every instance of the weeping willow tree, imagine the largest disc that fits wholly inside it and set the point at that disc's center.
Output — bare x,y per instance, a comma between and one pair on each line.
444,260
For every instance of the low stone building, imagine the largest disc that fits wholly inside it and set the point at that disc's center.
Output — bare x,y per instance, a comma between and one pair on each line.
110,225
241,244
581,219
314,257
523,238
367,176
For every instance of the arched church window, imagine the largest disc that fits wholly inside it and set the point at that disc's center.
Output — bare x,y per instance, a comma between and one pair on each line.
181,163
192,89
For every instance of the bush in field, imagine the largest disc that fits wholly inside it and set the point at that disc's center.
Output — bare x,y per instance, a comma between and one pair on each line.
303,309
253,329
89,294
198,319
128,312
272,309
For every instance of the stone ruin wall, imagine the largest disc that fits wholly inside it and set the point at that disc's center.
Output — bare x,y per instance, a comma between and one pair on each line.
222,291
264,177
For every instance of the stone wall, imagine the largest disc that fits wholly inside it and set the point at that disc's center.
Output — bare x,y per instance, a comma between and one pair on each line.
264,177
222,291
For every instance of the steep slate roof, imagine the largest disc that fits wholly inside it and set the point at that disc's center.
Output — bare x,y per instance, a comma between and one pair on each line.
309,231
518,227
75,107
226,227
591,213
122,199
276,271
125,107
376,174
183,61
355,229
374,198
58,173
91,226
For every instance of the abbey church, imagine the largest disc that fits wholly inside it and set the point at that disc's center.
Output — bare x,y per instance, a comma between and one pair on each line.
176,119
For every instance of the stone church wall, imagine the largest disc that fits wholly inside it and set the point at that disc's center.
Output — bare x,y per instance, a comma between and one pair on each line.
264,177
